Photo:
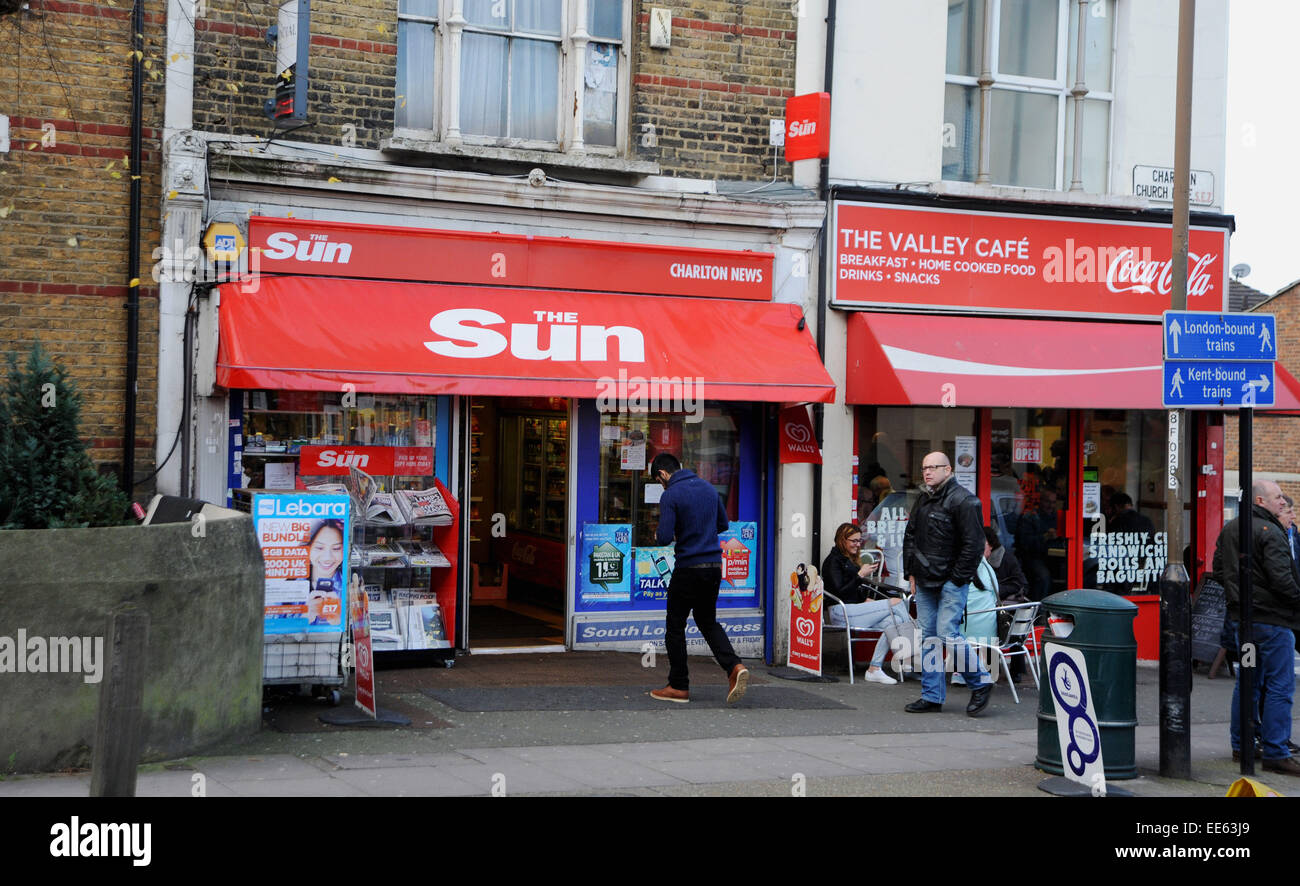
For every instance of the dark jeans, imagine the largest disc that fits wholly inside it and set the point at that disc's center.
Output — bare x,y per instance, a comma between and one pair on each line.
695,590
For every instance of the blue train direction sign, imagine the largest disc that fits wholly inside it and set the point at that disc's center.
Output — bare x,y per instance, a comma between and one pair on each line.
1198,335
1218,385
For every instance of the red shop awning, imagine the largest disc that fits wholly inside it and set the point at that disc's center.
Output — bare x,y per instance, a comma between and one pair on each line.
897,359
307,333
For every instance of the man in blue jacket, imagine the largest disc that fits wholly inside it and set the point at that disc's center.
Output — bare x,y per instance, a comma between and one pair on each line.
691,516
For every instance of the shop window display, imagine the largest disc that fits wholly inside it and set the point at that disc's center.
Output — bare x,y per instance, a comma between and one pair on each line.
629,442
403,556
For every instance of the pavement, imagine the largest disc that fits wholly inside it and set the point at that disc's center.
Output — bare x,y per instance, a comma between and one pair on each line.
581,723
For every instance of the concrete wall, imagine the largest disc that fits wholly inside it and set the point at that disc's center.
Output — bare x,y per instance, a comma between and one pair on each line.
204,596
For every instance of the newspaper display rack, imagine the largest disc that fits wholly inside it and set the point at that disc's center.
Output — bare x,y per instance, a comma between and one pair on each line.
403,557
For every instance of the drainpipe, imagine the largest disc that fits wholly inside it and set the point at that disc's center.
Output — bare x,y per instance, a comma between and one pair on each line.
819,409
133,251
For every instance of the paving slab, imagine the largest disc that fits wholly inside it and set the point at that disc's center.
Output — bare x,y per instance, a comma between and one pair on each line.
620,698
417,782
243,769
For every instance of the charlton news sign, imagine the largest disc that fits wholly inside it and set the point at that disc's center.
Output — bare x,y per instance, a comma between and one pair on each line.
957,260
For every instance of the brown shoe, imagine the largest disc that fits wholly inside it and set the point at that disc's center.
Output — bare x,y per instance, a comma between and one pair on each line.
738,682
668,693
1286,766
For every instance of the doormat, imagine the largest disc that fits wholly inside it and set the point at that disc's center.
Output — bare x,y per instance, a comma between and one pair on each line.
624,698
487,623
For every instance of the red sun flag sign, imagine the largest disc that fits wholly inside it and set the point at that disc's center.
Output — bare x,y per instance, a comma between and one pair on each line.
798,438
806,620
808,126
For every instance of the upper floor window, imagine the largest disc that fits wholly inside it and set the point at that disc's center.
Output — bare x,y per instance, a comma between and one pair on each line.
542,74
1013,89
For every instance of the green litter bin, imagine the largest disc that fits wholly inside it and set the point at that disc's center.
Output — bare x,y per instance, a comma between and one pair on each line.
1103,632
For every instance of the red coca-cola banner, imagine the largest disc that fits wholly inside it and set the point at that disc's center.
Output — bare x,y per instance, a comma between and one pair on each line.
381,461
336,249
798,438
806,620
949,259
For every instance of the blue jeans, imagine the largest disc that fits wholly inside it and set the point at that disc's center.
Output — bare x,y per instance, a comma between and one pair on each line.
1275,678
939,614
873,615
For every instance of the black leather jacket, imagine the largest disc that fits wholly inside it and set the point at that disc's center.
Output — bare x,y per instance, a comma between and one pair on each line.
1275,595
945,537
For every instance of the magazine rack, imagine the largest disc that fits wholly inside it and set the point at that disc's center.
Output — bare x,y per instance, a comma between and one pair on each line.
408,573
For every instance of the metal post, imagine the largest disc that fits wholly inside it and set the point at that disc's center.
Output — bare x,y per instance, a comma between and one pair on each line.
1246,628
1175,607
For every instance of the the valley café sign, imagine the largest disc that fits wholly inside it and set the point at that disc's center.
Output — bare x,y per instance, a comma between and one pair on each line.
959,260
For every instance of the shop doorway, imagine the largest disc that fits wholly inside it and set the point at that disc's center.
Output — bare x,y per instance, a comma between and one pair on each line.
519,523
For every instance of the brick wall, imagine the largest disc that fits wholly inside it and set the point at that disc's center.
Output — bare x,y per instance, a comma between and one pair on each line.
1276,437
353,68
64,203
709,97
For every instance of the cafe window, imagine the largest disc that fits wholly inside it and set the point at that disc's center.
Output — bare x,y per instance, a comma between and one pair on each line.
1029,484
1124,500
893,443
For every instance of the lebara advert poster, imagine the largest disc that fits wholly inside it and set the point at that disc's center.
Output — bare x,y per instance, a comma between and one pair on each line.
304,541
739,560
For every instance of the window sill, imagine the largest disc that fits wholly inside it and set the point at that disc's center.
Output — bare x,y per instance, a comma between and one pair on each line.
523,156
1038,195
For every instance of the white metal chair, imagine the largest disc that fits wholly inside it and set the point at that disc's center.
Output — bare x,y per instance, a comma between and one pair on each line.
1017,639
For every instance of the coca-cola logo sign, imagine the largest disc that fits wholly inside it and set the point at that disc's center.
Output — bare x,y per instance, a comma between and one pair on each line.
1131,273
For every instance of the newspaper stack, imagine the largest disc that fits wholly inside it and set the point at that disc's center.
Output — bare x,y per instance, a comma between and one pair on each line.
384,509
424,553
425,507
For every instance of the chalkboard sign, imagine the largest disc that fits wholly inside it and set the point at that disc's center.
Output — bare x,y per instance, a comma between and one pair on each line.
1208,613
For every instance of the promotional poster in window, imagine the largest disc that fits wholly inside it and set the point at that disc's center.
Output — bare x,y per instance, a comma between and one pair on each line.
304,542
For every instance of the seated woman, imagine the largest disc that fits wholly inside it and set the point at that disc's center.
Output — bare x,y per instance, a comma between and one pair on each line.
1013,587
979,623
842,575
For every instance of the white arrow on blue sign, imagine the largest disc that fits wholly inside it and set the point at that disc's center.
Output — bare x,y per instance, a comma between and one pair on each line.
1204,335
1218,385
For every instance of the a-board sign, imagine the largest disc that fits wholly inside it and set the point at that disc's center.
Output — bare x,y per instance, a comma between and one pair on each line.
1208,613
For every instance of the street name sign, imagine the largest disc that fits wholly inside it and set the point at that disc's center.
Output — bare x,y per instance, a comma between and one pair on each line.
1219,361
1199,335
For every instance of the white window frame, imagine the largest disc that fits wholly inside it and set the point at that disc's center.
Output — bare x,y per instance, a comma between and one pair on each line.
1058,86
573,41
